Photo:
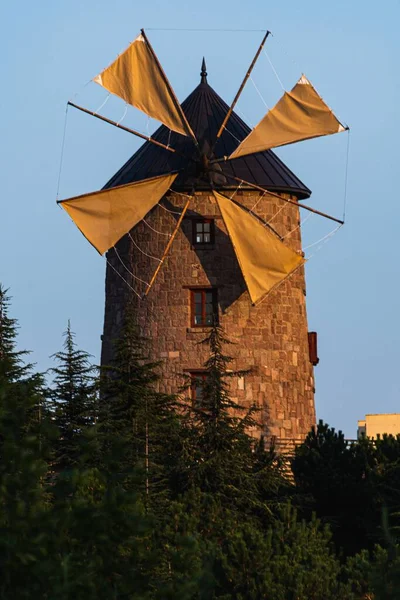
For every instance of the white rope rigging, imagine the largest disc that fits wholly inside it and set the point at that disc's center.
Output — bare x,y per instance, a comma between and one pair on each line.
126,268
173,212
62,153
142,251
245,118
323,240
259,200
236,191
155,230
124,115
274,70
123,278
299,225
234,136
180,193
283,49
102,104
259,93
277,213
346,175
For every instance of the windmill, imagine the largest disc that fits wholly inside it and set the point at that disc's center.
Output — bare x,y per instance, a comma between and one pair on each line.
189,162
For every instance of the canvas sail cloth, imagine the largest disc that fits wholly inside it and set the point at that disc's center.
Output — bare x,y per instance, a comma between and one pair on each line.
299,115
264,260
105,216
136,77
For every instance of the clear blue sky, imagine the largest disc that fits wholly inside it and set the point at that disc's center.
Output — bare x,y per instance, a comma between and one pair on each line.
349,50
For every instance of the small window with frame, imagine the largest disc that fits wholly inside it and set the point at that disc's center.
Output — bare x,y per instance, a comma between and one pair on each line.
203,232
197,381
203,307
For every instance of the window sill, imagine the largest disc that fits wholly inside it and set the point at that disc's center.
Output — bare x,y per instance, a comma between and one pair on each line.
203,246
201,329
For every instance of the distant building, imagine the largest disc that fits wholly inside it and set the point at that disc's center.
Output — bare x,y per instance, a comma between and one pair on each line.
378,424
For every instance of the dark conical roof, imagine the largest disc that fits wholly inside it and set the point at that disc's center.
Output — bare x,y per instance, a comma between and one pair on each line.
205,111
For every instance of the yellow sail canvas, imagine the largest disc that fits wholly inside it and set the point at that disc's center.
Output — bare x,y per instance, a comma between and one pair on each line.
264,260
136,77
105,216
299,115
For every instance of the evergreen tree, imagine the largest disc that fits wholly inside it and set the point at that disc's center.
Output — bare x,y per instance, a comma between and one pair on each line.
12,366
337,480
13,369
23,499
73,399
140,420
222,460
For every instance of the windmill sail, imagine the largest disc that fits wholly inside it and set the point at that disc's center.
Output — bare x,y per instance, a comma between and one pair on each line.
105,216
264,260
136,77
299,115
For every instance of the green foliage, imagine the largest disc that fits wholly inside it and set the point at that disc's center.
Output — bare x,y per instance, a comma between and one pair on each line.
337,479
140,422
23,502
350,486
72,400
291,559
139,496
222,450
12,367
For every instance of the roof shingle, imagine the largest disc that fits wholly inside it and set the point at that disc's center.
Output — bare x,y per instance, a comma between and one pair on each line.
205,111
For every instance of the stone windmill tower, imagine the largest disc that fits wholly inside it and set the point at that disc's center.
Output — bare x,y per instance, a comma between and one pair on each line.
204,220
202,273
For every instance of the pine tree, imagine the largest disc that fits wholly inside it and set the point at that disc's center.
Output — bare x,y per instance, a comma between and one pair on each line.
23,500
223,449
12,366
73,399
136,417
23,452
13,369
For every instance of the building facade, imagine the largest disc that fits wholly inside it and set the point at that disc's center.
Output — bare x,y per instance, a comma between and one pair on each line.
201,274
375,425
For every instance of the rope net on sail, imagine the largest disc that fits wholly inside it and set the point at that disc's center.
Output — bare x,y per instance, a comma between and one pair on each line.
263,259
300,114
136,77
105,216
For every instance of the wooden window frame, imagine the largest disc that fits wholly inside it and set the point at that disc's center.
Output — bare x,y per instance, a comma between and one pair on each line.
203,244
203,292
196,375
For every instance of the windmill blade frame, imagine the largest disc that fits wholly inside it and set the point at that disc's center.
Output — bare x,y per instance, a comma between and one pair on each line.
299,115
137,77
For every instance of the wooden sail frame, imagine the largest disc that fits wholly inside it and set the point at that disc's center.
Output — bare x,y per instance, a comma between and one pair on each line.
123,127
240,90
266,191
207,160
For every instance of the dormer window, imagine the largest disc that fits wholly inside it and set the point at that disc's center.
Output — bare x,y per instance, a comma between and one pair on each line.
203,232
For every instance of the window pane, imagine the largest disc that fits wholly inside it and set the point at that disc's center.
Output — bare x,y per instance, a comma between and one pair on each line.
198,297
206,227
207,238
209,320
199,238
199,226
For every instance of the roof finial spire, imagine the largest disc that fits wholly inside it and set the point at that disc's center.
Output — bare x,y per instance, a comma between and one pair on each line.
203,72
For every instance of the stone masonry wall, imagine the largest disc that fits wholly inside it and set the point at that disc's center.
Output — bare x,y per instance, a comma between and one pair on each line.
271,338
